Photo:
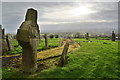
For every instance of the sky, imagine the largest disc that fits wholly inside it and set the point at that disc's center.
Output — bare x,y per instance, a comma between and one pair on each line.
93,17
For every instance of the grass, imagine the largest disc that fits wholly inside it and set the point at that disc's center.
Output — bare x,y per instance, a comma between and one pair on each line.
97,59
18,48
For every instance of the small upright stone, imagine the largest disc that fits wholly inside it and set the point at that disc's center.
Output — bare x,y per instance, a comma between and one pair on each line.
46,41
1,31
28,37
0,39
63,59
3,45
113,36
9,42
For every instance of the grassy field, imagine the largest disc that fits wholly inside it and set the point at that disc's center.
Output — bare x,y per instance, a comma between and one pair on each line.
97,59
41,46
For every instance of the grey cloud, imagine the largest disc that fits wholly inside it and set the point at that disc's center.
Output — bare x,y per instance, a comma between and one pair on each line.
13,15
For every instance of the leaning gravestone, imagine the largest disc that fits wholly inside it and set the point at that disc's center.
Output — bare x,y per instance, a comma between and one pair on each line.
113,36
63,59
28,37
46,40
9,42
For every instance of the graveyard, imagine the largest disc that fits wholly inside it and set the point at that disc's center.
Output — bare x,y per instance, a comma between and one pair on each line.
87,61
30,54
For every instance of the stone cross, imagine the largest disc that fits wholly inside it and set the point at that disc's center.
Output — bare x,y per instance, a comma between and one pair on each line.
28,37
46,41
9,42
113,36
63,59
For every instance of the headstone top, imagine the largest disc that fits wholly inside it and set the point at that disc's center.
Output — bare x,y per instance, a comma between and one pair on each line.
31,15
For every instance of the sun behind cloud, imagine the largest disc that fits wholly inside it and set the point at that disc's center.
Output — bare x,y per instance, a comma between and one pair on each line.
82,10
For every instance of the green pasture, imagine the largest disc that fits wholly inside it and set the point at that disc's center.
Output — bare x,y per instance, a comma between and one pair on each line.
95,59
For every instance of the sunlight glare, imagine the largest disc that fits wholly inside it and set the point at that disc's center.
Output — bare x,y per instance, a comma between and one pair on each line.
82,10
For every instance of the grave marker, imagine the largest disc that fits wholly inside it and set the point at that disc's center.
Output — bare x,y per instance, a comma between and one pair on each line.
9,42
63,59
3,45
28,37
46,40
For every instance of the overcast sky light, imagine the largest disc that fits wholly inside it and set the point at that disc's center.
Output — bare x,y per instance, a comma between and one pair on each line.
63,16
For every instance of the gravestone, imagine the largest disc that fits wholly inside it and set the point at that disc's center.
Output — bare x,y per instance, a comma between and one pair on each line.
9,39
87,36
0,39
0,31
63,59
113,36
3,45
46,40
28,37
3,33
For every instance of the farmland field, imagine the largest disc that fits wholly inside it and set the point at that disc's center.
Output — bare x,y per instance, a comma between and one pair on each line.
96,59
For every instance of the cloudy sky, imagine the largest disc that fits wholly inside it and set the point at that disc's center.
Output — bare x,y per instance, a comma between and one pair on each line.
63,16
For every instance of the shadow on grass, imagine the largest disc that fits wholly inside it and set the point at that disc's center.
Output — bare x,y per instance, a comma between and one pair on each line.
50,47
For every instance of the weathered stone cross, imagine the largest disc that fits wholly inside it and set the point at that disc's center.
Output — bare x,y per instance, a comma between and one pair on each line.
28,37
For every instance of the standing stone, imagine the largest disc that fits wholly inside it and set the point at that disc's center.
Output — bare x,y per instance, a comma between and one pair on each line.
63,59
46,41
3,33
28,37
3,45
1,30
87,36
0,40
9,42
113,36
